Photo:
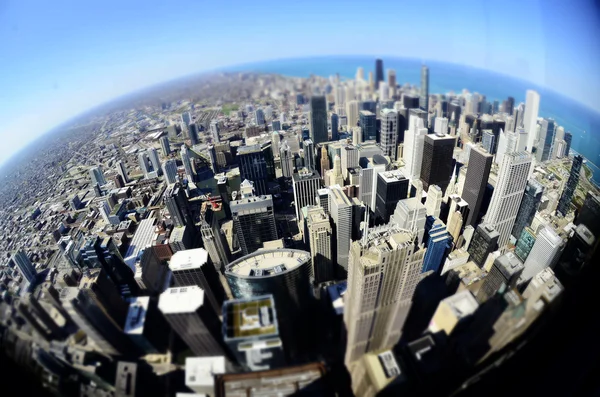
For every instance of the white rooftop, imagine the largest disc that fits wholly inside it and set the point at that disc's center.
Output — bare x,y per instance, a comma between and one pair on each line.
200,371
269,259
181,300
188,259
136,316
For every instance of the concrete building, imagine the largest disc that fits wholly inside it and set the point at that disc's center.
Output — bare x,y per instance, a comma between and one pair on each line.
320,238
532,107
545,253
436,166
392,186
478,172
254,222
410,214
505,271
305,183
340,209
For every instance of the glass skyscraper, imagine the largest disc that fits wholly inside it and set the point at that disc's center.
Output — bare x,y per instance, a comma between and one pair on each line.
567,195
318,119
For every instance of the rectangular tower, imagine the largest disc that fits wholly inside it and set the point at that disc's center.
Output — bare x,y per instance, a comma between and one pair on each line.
437,160
318,119
478,172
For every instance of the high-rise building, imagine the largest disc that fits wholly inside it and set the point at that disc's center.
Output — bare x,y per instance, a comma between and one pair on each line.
392,186
97,176
335,123
437,160
383,273
340,209
389,132
255,166
309,154
488,140
215,241
484,242
164,144
392,81
439,245
410,214
424,95
306,182
251,331
194,267
368,125
529,206
320,239
214,131
259,116
193,319
511,183
318,119
505,271
532,107
478,172
414,141
170,171
568,139
546,141
349,159
186,119
525,243
286,158
187,164
433,203
589,215
24,266
145,165
378,72
177,204
567,194
324,161
545,253
253,222
352,109
193,134
121,170
146,327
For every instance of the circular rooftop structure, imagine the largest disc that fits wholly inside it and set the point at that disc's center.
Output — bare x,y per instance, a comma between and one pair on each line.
379,159
268,263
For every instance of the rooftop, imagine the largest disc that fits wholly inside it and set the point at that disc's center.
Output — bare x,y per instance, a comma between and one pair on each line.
246,318
200,371
141,239
181,300
265,263
136,316
392,176
188,259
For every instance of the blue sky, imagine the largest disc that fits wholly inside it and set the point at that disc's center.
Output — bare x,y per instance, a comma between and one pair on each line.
60,58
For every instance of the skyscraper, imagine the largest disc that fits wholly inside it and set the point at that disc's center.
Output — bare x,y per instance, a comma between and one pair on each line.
97,176
368,125
186,118
410,214
193,319
529,206
24,265
164,144
259,117
437,160
335,121
532,107
424,99
525,243
506,270
589,215
340,209
511,183
567,194
318,119
193,134
187,164
383,273
253,222
121,170
320,238
177,204
286,158
439,245
414,141
568,138
309,154
545,253
154,160
433,203
193,267
378,72
214,131
253,167
305,183
349,159
389,132
145,166
170,171
392,186
484,242
352,109
546,141
478,172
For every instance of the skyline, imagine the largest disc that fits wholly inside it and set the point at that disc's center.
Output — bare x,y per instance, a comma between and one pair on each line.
68,60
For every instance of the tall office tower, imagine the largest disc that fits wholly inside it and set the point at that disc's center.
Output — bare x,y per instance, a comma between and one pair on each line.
368,125
275,141
320,234
24,265
170,171
97,176
193,134
478,172
193,267
145,164
154,159
529,206
384,92
525,243
568,138
259,116
389,132
337,178
324,161
146,326
318,119
193,319
433,203
352,109
253,167
349,159
306,183
506,270
335,122
275,126
392,81
439,245
340,209
546,141
410,214
322,199
545,253
360,74
378,72
164,144
382,276
284,273
589,215
440,126
488,140
214,131
511,183
287,160
567,194
121,170
424,97
371,82
309,154
187,164
251,331
414,141
437,160
484,242
177,204
392,186
186,119
532,107
254,222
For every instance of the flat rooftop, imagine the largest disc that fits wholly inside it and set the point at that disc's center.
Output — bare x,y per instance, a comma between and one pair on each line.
181,300
136,316
200,371
265,263
247,318
188,259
